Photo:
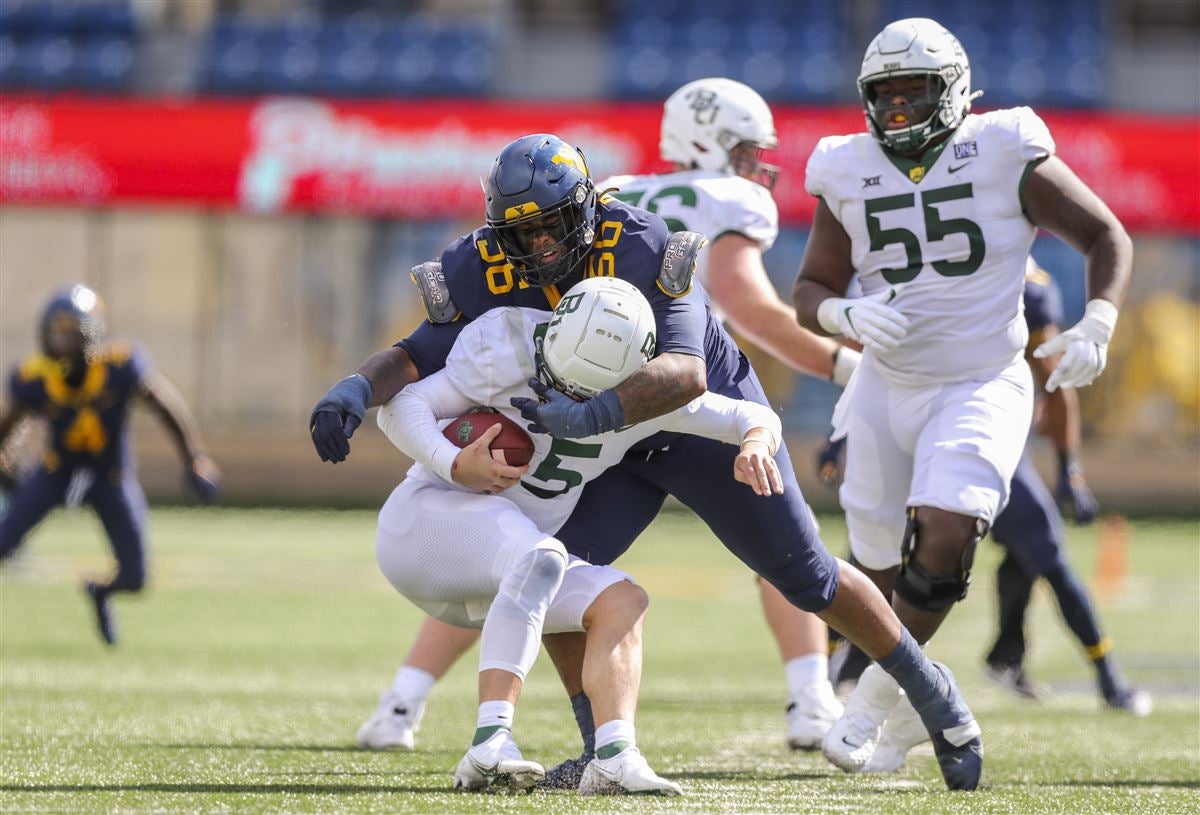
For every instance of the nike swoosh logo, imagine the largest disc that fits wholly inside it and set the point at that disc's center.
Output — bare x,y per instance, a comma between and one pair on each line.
959,167
850,744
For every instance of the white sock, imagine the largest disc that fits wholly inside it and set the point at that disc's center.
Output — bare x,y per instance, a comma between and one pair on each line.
616,735
495,713
804,672
412,684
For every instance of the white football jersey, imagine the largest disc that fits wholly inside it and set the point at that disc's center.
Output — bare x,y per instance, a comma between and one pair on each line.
703,201
490,363
953,232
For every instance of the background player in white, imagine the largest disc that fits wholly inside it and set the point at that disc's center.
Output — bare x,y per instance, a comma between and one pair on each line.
714,133
936,209
469,539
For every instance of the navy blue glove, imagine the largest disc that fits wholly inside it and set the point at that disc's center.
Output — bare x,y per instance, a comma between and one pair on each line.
829,461
204,479
338,415
1073,490
564,418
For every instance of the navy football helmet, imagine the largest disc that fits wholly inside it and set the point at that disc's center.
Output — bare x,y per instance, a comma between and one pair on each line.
72,323
541,203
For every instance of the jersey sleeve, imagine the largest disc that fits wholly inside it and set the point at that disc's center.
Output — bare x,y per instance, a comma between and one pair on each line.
130,362
429,345
1033,137
753,214
816,172
486,361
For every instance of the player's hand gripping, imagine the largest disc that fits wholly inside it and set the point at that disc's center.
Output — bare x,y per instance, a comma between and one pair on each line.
1084,347
869,320
756,466
482,470
204,478
338,415
565,418
1073,490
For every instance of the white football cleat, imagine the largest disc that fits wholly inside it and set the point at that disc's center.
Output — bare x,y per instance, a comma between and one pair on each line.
902,731
626,773
810,716
853,738
393,725
497,765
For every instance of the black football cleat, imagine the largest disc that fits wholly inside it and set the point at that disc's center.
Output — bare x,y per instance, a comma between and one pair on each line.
961,766
104,620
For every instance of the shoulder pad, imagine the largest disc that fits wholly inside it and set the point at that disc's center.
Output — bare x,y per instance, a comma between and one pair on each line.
679,263
435,294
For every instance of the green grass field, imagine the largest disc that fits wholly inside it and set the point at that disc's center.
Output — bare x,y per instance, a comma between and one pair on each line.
266,636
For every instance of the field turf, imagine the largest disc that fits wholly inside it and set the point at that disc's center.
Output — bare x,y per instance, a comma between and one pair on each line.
266,636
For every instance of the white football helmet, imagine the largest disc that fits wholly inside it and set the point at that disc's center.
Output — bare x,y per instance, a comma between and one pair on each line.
705,120
601,332
917,46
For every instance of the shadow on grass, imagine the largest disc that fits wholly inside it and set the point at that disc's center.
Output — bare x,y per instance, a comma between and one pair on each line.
1176,783
244,789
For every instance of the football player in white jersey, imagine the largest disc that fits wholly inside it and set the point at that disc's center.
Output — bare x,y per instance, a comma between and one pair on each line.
936,209
714,133
470,540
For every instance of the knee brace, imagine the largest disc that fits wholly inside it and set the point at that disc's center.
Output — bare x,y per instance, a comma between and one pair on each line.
934,592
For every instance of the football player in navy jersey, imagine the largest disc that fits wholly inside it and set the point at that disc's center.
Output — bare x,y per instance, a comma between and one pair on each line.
547,227
83,388
1031,530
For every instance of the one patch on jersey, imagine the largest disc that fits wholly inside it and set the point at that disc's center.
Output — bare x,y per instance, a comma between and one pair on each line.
967,149
431,283
679,263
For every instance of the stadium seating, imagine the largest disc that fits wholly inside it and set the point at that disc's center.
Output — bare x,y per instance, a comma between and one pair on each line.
53,45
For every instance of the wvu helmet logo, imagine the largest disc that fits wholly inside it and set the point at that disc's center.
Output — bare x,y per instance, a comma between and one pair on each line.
571,156
521,211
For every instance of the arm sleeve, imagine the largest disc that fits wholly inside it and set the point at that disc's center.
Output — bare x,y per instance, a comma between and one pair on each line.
409,420
729,420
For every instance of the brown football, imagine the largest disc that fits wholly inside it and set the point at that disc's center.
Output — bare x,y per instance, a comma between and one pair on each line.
513,440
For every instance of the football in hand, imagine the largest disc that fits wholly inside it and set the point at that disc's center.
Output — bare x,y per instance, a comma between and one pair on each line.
513,440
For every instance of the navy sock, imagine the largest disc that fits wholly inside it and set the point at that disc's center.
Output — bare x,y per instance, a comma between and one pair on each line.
929,689
587,726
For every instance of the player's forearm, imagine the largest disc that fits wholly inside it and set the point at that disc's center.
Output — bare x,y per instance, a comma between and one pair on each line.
775,329
1061,421
665,383
9,419
388,371
808,296
1110,265
410,422
167,403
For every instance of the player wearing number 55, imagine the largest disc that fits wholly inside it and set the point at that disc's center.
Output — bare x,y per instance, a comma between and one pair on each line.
82,388
936,209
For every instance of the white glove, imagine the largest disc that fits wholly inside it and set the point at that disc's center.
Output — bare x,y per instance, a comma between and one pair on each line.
1084,347
869,321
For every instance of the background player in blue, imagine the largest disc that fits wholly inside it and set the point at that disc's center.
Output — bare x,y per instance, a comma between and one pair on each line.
1031,527
83,389
547,227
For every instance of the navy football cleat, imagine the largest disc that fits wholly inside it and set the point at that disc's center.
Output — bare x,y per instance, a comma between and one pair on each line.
959,748
104,620
567,775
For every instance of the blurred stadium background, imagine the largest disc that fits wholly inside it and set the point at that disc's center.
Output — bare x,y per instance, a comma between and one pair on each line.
247,184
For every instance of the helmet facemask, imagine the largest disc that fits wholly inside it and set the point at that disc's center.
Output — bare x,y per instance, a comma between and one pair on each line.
928,114
746,160
571,232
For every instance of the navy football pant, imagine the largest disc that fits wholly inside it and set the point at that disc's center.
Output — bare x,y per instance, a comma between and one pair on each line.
775,536
1031,530
120,504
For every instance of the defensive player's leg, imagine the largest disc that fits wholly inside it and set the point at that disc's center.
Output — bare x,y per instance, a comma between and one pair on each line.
121,506
803,641
28,504
606,603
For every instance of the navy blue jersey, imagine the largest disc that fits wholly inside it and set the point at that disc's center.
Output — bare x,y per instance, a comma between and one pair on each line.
89,421
1043,302
629,244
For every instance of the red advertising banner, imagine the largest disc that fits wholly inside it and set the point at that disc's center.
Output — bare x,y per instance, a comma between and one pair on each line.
425,159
